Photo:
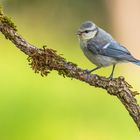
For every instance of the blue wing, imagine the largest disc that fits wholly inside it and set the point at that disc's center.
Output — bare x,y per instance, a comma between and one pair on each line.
111,49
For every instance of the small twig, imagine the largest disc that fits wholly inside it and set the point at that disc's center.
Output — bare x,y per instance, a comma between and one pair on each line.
45,60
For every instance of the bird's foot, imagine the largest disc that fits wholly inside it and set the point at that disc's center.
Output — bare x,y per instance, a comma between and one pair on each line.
87,71
110,77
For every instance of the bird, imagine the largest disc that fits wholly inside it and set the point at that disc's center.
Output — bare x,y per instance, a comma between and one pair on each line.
101,48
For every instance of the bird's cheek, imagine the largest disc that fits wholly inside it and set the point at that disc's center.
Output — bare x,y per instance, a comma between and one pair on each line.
85,36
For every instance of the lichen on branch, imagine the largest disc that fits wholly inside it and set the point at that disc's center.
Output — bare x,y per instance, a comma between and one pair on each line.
7,20
46,60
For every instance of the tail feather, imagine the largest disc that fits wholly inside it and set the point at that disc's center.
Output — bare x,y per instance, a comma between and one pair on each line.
137,62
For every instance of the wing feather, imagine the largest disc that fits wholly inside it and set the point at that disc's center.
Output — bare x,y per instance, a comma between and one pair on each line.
112,49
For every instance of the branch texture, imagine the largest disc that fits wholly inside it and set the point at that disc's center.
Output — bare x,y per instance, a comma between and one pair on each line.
45,60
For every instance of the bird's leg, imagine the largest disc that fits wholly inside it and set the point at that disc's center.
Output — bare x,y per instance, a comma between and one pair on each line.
89,71
111,75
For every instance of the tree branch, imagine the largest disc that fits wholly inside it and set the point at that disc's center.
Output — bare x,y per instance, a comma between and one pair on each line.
45,60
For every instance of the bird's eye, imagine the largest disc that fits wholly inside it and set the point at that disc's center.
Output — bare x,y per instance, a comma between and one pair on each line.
87,31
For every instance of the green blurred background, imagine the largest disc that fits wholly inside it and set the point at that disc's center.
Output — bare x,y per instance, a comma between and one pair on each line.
56,108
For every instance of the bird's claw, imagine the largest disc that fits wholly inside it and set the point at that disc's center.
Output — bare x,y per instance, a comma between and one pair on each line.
87,71
110,77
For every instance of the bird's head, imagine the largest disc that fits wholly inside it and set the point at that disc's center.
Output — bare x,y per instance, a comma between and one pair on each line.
87,30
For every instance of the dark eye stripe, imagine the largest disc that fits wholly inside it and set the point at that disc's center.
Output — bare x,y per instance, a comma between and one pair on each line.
87,31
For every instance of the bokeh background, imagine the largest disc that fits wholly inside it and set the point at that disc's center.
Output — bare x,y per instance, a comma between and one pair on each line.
56,108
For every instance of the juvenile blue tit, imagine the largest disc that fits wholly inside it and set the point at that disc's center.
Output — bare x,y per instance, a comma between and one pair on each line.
101,48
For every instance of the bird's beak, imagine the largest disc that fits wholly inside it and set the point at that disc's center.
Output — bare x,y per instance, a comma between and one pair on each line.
78,33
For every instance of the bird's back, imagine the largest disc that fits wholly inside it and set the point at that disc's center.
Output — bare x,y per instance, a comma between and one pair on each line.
102,37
